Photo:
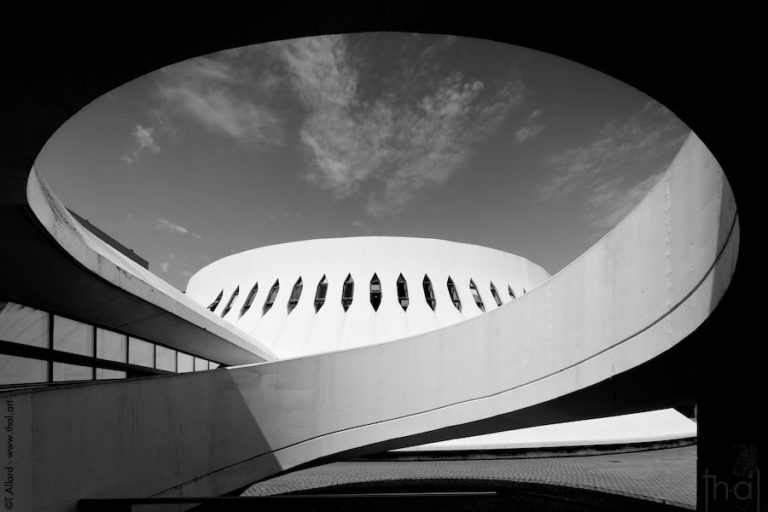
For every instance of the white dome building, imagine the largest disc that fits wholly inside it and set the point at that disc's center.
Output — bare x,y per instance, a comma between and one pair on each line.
323,295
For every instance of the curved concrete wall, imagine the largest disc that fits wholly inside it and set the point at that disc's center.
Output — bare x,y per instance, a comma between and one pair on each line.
635,294
171,318
304,331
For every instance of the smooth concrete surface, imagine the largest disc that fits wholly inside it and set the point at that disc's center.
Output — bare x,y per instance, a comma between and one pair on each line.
303,331
634,295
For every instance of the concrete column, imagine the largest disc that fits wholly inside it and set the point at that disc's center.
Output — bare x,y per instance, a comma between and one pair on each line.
731,452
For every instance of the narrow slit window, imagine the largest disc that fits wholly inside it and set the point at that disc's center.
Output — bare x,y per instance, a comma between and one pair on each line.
347,292
511,293
402,292
476,295
495,295
454,294
375,292
429,293
271,297
322,289
216,301
230,301
295,295
249,299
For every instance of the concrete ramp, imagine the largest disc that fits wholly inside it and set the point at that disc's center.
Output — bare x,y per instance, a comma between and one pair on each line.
552,355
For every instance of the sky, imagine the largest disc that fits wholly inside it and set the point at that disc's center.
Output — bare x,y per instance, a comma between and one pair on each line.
364,134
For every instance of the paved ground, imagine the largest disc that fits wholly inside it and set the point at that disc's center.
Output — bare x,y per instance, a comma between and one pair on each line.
667,475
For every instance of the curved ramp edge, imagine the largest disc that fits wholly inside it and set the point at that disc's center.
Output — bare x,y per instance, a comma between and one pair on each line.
635,294
110,265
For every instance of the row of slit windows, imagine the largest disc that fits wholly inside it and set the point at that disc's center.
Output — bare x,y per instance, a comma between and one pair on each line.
41,347
347,293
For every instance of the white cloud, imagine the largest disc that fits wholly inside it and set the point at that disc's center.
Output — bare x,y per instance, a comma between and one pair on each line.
215,94
530,128
165,225
387,147
144,141
164,266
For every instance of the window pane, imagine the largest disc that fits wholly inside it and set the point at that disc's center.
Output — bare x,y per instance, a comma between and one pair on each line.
200,364
295,295
429,293
110,345
185,362
21,324
249,299
322,288
495,295
454,294
271,297
64,371
166,359
375,292
212,305
141,352
476,295
402,292
229,303
347,292
72,336
22,370
103,373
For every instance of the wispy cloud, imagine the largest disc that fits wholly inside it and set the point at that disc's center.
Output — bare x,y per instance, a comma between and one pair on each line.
616,151
165,225
143,141
220,97
166,264
605,171
387,147
531,127
362,226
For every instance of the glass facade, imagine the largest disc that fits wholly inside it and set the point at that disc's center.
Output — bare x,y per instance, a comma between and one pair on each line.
141,352
184,363
65,372
111,345
22,370
72,336
165,358
104,373
21,324
75,351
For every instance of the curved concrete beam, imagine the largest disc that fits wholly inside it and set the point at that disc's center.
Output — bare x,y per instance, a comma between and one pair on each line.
78,275
636,294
